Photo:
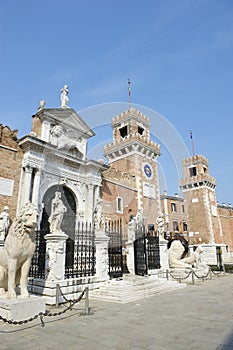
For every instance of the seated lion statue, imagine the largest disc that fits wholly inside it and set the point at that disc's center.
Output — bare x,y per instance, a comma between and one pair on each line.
16,255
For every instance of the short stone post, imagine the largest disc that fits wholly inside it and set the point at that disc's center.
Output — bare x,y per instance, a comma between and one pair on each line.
132,227
130,256
163,254
101,241
55,256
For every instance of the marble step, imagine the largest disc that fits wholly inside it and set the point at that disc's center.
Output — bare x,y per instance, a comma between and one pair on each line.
133,288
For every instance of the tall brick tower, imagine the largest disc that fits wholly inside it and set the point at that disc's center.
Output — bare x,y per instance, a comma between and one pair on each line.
133,153
198,189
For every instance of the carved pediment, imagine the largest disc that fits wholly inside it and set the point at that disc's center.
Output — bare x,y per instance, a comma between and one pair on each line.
69,119
66,139
65,129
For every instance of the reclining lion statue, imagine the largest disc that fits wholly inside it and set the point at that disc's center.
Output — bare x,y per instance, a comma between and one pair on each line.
175,253
16,255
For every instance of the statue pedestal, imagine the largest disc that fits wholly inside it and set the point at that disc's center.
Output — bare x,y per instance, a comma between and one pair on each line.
101,242
55,256
130,257
163,254
20,309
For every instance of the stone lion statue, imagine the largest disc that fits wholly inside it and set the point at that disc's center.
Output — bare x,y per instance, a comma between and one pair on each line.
175,253
16,255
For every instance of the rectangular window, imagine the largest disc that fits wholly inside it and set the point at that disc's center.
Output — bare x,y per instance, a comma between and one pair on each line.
175,226
173,207
140,130
119,204
193,171
123,131
182,208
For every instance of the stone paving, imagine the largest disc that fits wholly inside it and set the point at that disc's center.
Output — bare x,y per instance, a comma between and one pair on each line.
198,317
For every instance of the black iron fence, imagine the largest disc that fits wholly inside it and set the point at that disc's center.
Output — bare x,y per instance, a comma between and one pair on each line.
153,253
80,252
113,229
37,269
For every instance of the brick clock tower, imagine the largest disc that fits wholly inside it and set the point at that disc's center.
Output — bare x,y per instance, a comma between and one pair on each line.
198,189
134,155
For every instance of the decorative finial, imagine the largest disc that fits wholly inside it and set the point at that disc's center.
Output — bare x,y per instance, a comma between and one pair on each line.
64,97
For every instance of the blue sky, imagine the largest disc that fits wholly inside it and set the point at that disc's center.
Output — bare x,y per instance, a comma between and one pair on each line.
178,55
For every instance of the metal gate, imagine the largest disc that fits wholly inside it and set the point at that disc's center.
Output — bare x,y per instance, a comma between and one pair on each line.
80,252
153,254
140,256
146,252
115,258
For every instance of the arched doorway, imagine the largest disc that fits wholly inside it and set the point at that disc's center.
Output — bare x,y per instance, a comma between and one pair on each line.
69,219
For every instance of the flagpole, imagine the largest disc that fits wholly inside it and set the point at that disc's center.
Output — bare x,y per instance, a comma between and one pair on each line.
191,137
129,94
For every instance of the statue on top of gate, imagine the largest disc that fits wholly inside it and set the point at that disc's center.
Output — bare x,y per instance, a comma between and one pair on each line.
98,218
139,219
160,225
131,229
58,210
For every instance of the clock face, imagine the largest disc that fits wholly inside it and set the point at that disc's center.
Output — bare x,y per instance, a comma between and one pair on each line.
148,171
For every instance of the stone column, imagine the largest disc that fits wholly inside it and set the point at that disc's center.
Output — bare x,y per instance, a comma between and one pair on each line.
101,242
27,184
55,256
36,187
90,202
97,193
130,246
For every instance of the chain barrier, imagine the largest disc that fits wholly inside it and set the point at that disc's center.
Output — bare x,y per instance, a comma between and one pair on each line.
217,273
180,278
209,273
41,315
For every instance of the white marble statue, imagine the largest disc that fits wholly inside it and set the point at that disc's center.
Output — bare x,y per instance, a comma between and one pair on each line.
64,96
98,218
63,142
16,255
4,223
160,225
139,218
175,253
42,105
131,230
58,210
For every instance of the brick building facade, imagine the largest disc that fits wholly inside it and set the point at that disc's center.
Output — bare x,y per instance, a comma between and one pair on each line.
131,183
11,156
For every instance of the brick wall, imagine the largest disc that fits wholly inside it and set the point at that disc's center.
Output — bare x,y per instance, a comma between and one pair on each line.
226,219
10,167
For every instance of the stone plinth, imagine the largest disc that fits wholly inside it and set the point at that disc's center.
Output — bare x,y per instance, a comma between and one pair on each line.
55,256
209,255
101,242
20,309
